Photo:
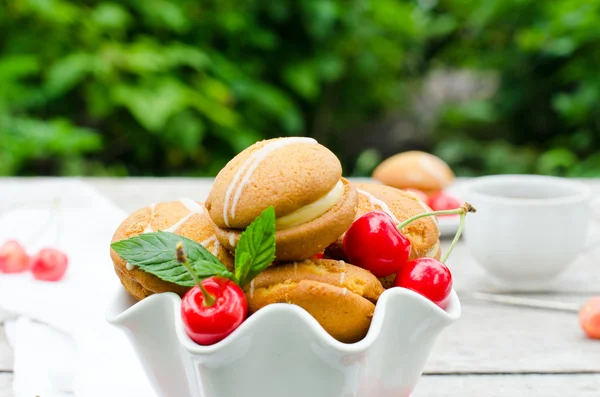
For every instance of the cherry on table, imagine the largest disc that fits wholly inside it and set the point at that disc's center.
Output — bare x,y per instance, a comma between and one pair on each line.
373,242
49,264
13,257
442,201
428,277
209,322
589,318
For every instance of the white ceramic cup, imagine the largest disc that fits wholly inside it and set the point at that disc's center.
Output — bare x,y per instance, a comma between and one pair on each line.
527,229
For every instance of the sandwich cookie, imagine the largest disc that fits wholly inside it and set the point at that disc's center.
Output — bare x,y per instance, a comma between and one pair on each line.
301,179
424,234
340,296
184,217
415,169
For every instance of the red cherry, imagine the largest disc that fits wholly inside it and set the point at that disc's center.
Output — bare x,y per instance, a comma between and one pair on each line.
206,325
589,318
419,193
13,258
428,277
373,242
49,265
442,201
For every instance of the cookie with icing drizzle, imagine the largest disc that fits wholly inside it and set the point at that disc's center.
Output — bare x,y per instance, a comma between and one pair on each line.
340,296
301,179
184,217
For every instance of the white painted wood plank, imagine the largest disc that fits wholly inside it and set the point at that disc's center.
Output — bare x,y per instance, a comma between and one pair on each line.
6,354
6,384
474,386
495,338
509,386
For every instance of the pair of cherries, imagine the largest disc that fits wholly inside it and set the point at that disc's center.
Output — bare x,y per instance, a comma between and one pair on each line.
376,243
49,264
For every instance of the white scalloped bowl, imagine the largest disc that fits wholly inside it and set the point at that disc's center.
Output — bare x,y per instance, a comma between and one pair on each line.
281,350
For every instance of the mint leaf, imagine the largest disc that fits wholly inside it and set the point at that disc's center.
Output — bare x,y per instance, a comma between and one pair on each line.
243,261
155,253
256,248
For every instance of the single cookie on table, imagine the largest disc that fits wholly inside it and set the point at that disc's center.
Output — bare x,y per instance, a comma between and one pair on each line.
415,169
340,296
424,234
184,217
301,179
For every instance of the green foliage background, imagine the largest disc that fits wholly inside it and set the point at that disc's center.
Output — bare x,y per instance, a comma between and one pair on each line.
177,87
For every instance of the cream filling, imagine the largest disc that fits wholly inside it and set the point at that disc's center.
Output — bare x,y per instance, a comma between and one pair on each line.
433,250
312,210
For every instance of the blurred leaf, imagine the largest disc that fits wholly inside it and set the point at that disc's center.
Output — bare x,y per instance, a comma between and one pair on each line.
65,73
185,130
110,16
366,162
556,161
153,104
320,17
164,14
56,11
147,56
469,112
303,79
330,67
562,46
17,66
442,26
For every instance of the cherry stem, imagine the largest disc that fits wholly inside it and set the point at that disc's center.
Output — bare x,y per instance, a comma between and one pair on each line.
208,300
456,237
463,209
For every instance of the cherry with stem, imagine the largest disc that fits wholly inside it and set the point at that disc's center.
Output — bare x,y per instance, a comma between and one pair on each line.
208,300
212,309
428,276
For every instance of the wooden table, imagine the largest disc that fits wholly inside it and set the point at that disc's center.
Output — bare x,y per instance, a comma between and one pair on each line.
492,351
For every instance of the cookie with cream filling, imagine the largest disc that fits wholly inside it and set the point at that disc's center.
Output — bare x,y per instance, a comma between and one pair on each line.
301,179
340,296
184,217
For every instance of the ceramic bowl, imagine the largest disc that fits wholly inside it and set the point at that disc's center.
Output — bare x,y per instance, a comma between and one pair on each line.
528,228
281,350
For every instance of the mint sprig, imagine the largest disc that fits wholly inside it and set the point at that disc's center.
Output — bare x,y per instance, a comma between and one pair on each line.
256,249
156,253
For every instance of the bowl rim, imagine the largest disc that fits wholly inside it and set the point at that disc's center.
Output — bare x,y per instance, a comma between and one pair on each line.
580,191
447,317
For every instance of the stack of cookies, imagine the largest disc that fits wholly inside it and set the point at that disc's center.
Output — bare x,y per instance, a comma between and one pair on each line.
314,207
